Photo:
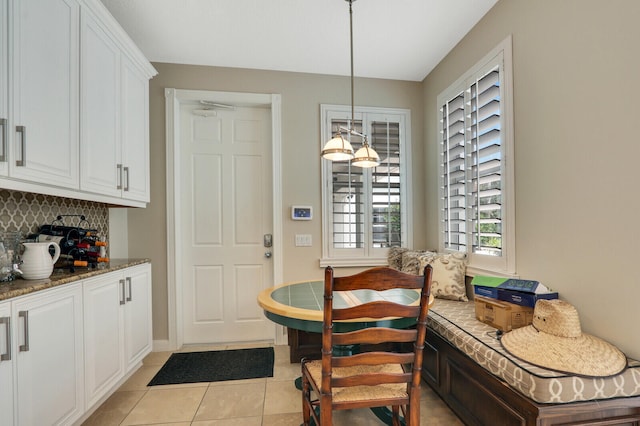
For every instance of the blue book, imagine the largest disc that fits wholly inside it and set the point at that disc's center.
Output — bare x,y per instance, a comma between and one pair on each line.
523,298
491,292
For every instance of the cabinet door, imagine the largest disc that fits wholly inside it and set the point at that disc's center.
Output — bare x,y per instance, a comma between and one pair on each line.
44,146
4,87
135,132
138,332
103,299
6,366
100,166
49,357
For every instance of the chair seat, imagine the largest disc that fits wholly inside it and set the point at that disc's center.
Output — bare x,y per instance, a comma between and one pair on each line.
360,393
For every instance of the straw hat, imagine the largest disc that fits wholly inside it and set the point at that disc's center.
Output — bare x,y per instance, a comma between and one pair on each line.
556,341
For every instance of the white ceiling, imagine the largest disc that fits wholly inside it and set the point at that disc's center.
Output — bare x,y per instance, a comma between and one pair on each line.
394,39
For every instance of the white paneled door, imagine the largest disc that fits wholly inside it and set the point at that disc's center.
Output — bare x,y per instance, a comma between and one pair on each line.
226,211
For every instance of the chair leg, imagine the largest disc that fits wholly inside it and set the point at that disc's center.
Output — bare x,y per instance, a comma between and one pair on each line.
306,400
326,410
396,415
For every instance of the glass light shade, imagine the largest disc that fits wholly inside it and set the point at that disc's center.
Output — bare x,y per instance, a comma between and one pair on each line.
337,149
366,157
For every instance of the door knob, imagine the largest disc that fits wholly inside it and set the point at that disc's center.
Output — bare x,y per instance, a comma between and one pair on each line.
267,254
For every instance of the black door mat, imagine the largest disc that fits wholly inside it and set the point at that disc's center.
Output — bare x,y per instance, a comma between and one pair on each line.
215,366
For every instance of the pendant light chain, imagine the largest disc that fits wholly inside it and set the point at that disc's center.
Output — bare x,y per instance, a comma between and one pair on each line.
351,56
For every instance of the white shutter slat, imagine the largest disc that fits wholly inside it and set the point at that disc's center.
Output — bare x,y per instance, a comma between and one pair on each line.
386,191
454,174
485,208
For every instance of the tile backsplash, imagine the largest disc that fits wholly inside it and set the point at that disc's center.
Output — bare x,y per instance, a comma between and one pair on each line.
25,212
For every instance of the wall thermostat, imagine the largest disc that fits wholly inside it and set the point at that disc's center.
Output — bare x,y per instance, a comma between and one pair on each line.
301,212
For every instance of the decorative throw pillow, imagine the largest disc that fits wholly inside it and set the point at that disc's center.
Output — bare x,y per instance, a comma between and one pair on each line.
394,257
447,281
411,261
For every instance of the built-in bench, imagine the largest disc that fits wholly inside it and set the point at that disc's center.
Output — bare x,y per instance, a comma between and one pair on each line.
466,365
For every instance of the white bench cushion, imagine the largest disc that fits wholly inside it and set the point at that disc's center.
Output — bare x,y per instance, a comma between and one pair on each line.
456,322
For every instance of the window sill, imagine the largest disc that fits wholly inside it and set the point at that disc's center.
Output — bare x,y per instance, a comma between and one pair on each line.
351,262
472,271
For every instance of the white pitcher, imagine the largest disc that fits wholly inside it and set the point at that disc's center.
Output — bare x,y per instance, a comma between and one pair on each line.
37,263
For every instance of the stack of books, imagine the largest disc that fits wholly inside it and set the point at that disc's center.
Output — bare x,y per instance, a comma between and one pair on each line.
507,303
517,291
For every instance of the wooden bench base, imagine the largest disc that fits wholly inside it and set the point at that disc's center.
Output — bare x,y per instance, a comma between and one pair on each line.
480,398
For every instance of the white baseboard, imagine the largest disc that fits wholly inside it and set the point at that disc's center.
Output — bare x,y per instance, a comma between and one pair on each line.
162,346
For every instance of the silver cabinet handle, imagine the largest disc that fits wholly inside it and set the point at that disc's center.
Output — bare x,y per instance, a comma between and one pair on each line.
3,155
25,315
122,299
130,297
23,140
7,355
119,168
126,173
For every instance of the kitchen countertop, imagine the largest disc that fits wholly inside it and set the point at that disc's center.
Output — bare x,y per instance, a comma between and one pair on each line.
20,287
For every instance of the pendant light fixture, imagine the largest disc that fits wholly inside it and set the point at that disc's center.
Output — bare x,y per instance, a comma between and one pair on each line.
340,149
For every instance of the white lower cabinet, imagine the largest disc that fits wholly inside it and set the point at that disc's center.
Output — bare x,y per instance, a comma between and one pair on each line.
6,365
117,327
64,349
48,357
103,334
137,314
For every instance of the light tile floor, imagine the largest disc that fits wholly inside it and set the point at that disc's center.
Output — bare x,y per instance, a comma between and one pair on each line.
272,401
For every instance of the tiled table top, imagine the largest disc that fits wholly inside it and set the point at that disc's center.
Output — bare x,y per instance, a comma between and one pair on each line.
299,305
308,295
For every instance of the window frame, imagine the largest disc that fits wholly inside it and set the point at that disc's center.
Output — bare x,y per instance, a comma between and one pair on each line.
368,255
479,264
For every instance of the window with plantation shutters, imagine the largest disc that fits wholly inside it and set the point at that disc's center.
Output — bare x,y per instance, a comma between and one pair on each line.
476,170
366,210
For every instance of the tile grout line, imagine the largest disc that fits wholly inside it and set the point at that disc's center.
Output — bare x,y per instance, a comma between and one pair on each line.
195,413
264,399
134,406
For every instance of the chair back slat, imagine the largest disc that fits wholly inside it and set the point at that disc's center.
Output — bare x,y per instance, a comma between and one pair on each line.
378,279
370,380
373,358
374,336
377,309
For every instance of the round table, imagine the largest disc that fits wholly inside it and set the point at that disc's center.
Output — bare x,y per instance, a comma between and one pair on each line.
299,305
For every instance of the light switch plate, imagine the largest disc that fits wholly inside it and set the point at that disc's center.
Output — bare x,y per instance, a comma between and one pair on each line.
303,240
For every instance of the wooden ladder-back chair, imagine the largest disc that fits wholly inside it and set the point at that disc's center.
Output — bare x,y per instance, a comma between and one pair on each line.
379,378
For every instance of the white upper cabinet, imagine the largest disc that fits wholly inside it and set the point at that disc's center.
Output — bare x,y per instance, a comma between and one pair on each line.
100,152
135,132
44,112
74,107
114,116
4,86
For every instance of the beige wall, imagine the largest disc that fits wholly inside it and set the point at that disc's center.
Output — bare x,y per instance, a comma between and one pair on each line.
576,73
302,95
